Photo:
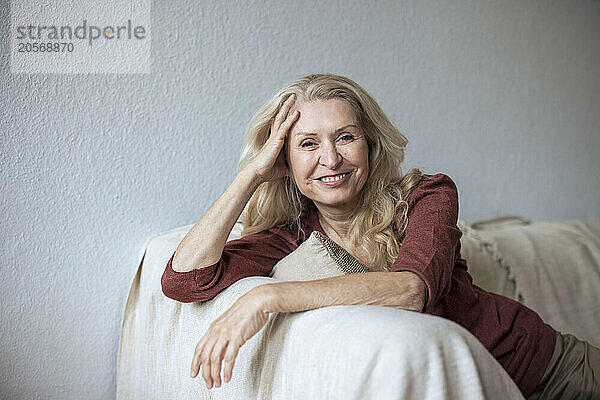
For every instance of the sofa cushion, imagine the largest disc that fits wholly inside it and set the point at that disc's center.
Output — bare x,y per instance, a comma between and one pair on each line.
318,257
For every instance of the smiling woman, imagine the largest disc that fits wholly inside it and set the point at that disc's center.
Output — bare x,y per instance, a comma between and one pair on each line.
322,156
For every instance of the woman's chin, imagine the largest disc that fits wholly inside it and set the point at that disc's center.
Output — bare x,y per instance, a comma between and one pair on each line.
333,201
330,196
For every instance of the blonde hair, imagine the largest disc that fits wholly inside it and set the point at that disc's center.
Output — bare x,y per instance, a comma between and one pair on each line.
378,228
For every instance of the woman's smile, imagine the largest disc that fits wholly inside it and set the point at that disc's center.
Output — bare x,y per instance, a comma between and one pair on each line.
334,180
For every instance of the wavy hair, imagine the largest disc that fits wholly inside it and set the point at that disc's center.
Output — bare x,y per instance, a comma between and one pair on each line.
379,228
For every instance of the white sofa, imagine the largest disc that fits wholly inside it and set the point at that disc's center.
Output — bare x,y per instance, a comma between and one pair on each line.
363,352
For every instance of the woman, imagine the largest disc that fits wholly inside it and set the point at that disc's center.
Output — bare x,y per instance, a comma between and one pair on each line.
322,155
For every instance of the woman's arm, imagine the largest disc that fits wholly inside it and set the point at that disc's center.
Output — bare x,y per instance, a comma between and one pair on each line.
404,290
204,263
250,312
203,245
251,255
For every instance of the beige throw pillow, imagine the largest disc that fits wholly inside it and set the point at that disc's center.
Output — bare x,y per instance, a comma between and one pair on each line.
318,257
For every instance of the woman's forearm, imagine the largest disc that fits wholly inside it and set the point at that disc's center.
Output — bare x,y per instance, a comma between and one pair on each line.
203,244
403,290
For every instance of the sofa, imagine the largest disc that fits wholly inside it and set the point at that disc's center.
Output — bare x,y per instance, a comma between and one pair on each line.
363,352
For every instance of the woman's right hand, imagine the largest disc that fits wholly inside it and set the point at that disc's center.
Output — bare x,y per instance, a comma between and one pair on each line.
270,163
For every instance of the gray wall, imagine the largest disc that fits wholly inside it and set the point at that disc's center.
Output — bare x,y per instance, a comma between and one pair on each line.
503,96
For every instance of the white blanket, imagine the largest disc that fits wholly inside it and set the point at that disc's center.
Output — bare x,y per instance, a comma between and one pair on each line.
341,352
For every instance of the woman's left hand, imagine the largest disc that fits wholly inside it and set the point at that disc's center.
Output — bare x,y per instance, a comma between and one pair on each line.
226,335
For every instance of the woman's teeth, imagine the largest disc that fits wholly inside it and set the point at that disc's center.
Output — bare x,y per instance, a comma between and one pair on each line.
333,178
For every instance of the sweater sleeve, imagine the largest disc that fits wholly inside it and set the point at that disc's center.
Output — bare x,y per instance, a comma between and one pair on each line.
432,235
251,255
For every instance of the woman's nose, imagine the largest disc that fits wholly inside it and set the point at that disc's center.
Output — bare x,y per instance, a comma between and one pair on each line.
330,157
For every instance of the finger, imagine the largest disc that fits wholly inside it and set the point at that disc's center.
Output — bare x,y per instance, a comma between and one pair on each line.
283,112
215,361
206,367
229,360
196,359
289,121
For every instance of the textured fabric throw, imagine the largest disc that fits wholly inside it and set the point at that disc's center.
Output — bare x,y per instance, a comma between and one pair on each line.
339,352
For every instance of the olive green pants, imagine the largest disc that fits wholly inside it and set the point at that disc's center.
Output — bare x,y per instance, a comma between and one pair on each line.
572,373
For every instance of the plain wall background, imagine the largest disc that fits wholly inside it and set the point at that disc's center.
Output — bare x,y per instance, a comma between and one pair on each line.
503,96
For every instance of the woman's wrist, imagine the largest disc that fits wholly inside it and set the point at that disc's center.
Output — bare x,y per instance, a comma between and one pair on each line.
415,289
266,296
250,176
421,293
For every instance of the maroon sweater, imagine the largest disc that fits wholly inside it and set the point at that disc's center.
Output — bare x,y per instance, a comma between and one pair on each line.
514,334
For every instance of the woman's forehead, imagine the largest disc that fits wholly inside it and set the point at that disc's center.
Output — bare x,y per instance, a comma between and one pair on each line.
323,116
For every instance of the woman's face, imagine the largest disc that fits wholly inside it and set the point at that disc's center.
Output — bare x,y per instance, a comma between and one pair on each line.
326,141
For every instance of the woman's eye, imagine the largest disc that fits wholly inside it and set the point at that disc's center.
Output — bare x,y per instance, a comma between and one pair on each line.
344,137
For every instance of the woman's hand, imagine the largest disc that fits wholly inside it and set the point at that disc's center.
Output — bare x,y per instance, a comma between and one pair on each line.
270,162
226,335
